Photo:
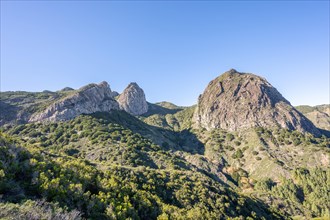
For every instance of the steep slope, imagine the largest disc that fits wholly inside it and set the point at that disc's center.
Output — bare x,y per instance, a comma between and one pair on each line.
307,109
236,101
133,100
18,106
88,99
101,170
176,119
319,115
163,164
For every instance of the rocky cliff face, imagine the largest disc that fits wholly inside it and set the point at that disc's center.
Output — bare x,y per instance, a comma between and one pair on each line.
88,99
133,100
236,101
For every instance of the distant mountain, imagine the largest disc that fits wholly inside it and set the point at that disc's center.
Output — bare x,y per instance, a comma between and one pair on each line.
88,99
66,104
319,115
168,105
236,101
18,107
243,152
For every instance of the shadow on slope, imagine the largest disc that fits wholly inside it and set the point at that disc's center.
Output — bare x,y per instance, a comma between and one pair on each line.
169,140
325,132
158,109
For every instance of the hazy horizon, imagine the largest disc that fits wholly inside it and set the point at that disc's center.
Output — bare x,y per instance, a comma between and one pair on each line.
171,49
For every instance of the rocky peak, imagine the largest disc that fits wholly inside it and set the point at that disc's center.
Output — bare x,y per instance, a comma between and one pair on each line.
88,99
104,84
133,100
65,89
232,71
236,101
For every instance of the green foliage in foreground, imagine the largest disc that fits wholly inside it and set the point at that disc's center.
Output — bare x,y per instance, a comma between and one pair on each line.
75,186
307,194
98,139
35,210
108,166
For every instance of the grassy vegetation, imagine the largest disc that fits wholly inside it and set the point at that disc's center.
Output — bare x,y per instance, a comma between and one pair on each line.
73,184
19,106
116,166
305,195
179,120
307,109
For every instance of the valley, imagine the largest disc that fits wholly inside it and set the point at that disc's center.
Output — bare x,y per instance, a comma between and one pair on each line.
242,152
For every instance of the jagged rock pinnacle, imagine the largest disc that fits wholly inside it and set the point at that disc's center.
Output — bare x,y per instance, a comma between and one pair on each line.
133,100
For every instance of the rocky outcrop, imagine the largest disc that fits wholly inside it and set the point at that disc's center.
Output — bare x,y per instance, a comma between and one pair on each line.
236,101
88,99
133,100
65,89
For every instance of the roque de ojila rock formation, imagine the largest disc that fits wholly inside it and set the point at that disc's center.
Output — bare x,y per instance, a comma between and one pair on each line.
235,101
88,99
133,100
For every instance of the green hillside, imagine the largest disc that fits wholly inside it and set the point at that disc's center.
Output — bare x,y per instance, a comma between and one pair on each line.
92,167
155,166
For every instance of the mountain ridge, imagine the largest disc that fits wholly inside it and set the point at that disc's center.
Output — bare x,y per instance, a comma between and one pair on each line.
155,163
88,99
132,99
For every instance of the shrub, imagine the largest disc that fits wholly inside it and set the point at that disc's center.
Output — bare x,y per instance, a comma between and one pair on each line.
230,137
238,154
264,185
262,148
237,143
255,152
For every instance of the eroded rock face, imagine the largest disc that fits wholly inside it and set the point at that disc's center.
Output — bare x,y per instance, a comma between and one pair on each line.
133,100
236,101
88,99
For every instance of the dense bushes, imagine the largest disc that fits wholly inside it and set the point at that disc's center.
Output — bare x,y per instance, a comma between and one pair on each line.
286,137
35,210
100,167
308,191
106,189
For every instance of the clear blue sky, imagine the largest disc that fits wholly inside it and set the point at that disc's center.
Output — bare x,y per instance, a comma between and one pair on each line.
171,49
